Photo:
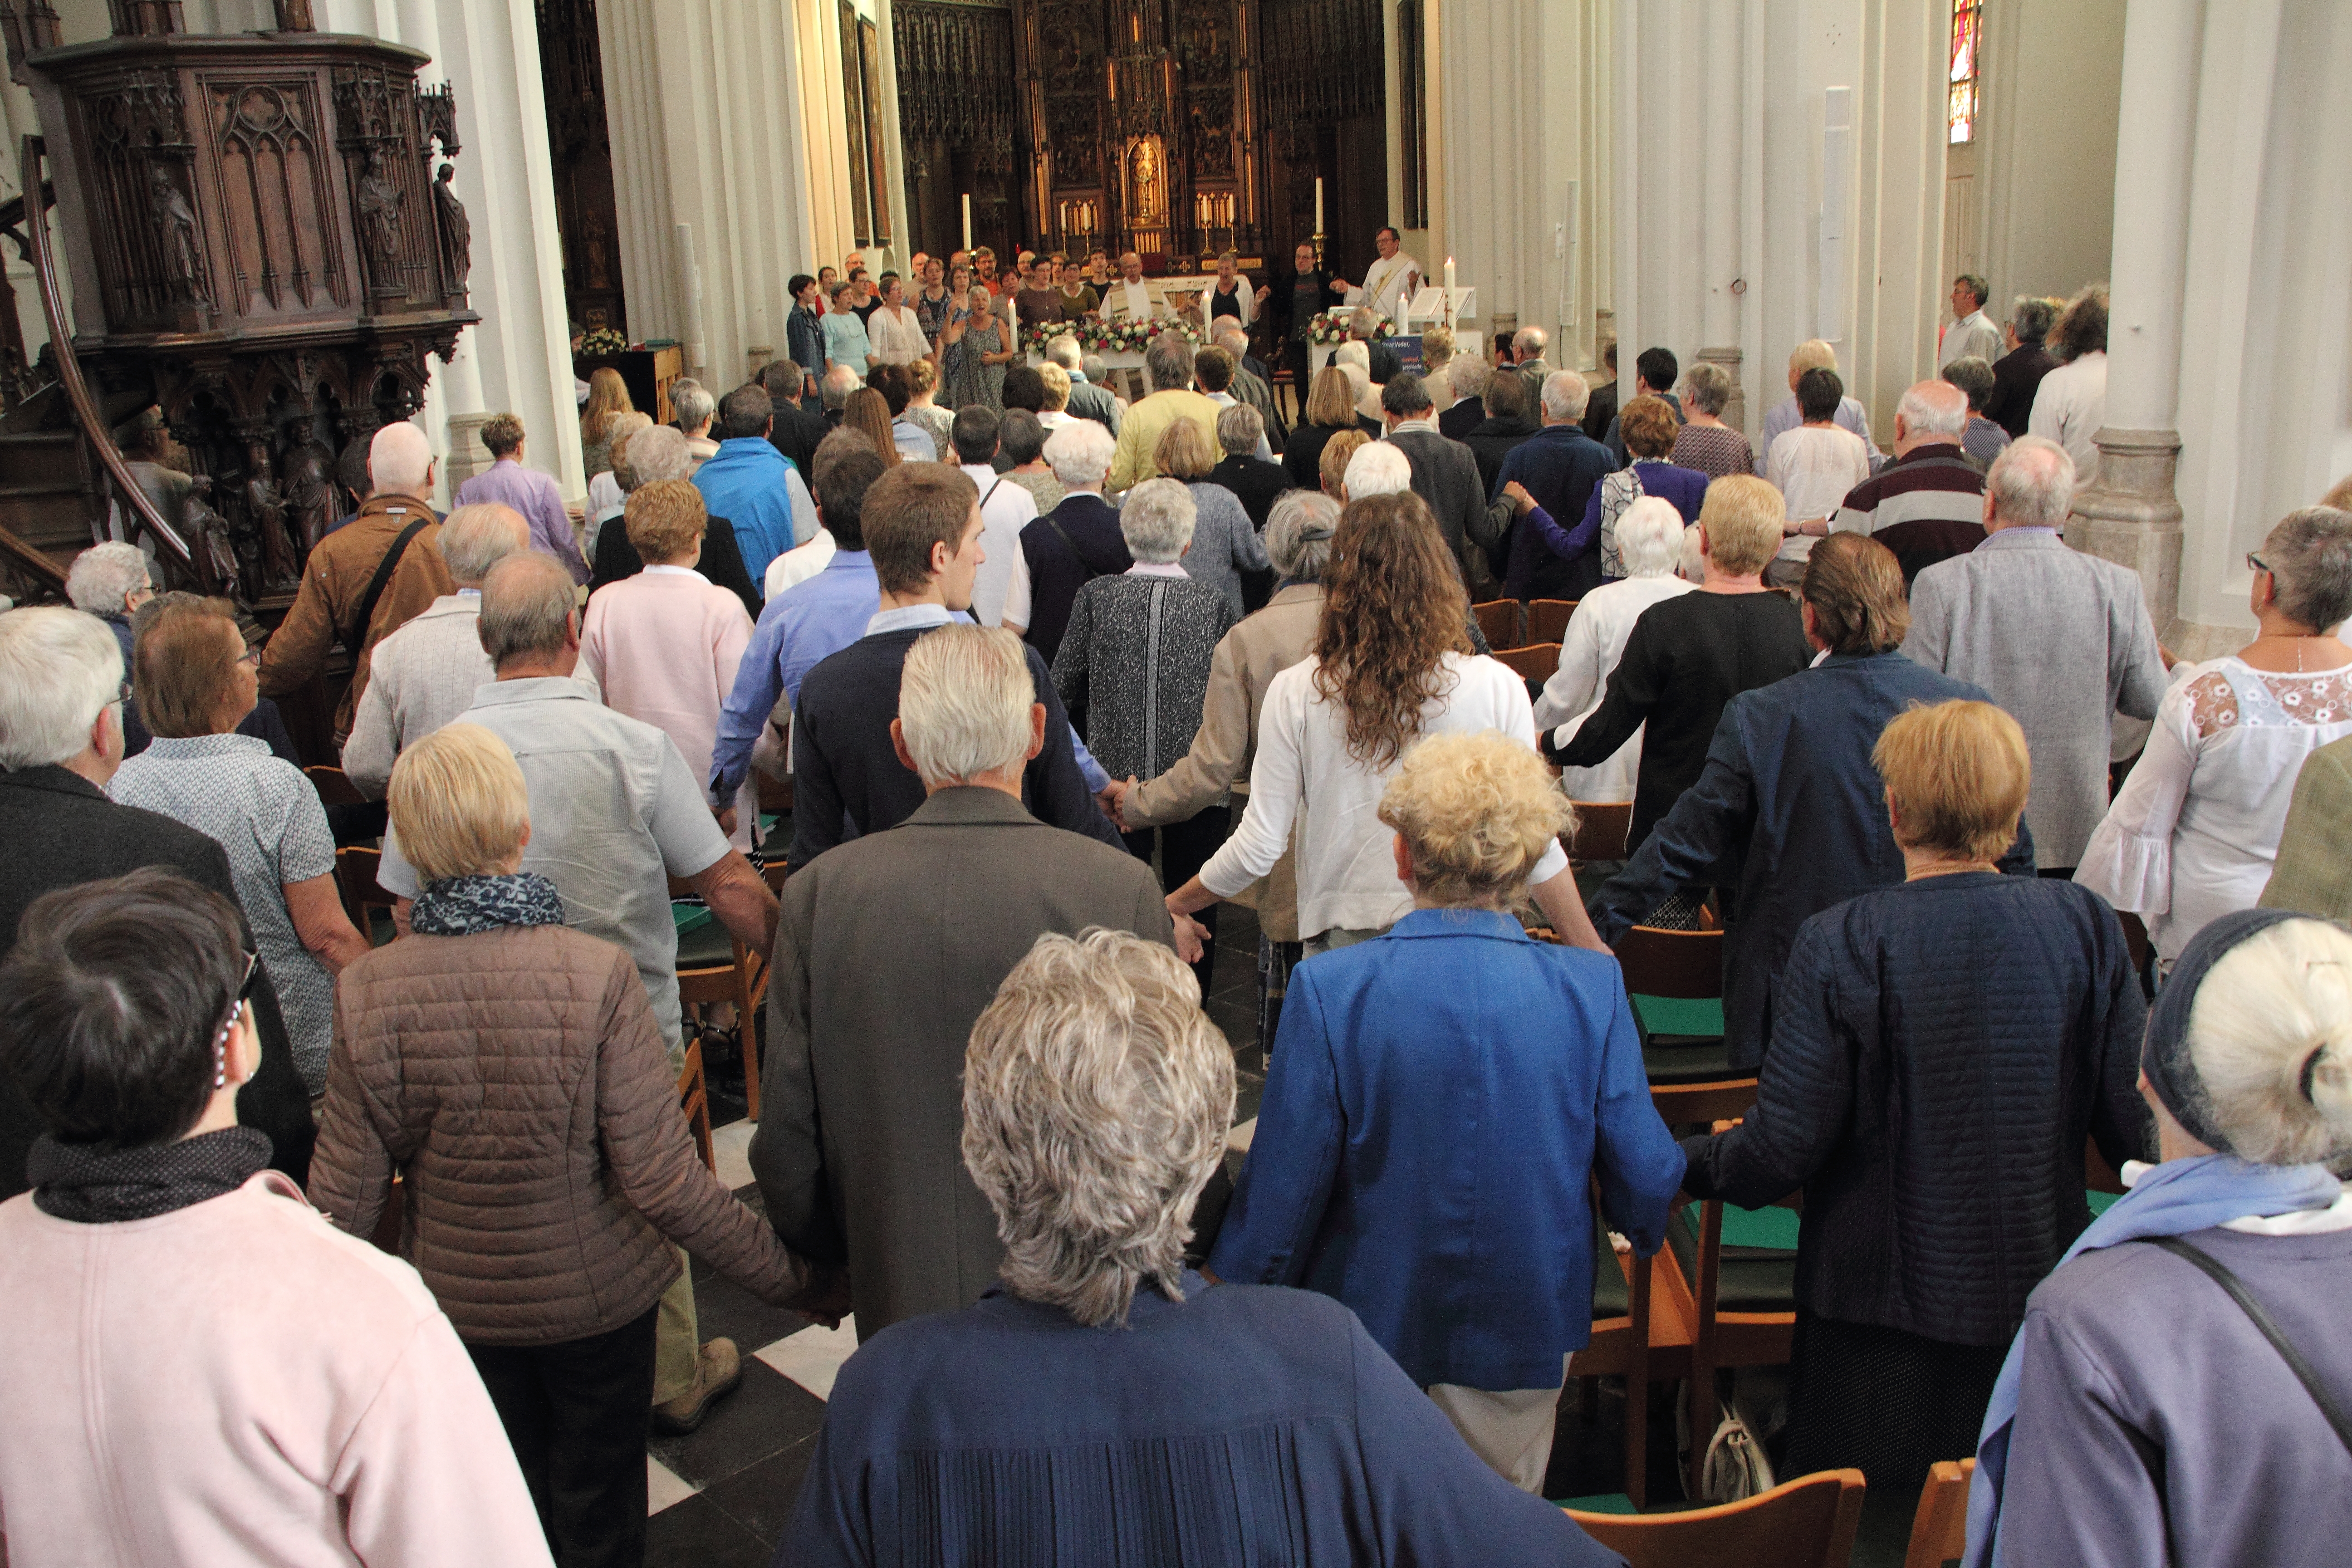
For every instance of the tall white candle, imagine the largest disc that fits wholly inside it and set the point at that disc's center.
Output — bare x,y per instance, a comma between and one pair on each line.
1318,204
967,220
1449,280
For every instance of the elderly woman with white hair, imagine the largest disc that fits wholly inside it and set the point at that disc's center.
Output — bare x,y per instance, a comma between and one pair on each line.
695,409
2194,832
1355,1186
1248,659
651,458
1254,481
1133,670
1069,546
1650,543
2146,1417
1090,1401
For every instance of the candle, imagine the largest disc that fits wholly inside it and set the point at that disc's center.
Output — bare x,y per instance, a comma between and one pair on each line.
967,220
1449,281
1318,204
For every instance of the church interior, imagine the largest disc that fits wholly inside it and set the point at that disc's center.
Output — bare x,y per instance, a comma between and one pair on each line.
264,255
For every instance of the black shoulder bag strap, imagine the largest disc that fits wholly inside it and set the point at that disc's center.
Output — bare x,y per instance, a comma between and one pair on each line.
1063,535
356,639
2305,1375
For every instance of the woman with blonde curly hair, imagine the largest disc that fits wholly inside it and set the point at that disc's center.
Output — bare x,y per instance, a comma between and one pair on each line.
1391,664
608,396
1456,1030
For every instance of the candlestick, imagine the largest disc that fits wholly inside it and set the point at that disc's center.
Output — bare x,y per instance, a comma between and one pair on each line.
967,220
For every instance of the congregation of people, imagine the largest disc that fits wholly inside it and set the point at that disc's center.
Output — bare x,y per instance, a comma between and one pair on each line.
328,1243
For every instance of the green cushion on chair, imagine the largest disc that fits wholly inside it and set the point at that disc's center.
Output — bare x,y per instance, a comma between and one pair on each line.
702,942
1755,1277
1603,1503
1612,1297
2100,1201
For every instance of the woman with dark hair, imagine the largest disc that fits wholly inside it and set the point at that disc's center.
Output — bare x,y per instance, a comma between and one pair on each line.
1391,664
2017,375
2070,403
197,1369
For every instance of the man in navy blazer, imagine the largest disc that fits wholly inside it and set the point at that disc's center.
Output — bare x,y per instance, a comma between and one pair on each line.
1559,464
1788,809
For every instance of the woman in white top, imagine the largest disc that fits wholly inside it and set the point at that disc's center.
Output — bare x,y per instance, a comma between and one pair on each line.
2070,403
1390,663
1813,466
1649,540
896,332
2195,830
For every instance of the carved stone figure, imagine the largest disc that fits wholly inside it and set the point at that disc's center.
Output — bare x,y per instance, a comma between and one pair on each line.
380,225
267,510
310,496
456,232
175,230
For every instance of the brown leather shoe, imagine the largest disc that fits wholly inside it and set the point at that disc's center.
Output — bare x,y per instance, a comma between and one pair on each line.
718,1372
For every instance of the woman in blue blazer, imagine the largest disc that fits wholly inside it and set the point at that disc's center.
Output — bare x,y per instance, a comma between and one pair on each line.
1440,1097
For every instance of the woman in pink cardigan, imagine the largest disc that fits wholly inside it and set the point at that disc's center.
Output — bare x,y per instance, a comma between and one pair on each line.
664,644
198,1368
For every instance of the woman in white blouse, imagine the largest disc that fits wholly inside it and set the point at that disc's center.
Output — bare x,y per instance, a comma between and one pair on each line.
2195,830
1813,466
896,332
1649,540
1390,663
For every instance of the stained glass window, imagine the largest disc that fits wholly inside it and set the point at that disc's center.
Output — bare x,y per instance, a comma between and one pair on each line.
1967,38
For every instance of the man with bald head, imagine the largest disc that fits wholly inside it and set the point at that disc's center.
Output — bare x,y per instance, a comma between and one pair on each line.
1927,505
368,578
2033,622
425,674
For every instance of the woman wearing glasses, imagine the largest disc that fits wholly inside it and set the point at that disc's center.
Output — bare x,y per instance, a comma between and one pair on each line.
198,1368
195,681
2194,832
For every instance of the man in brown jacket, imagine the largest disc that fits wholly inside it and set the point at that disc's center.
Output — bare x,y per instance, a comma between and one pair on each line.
343,572
887,948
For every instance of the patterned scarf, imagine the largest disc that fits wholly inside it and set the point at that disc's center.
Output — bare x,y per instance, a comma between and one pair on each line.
90,1184
466,905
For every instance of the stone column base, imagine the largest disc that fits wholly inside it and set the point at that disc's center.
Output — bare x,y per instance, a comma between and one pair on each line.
2131,517
1735,413
468,455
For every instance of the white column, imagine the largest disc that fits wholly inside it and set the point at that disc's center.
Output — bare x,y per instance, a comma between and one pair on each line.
706,105
1722,153
2133,515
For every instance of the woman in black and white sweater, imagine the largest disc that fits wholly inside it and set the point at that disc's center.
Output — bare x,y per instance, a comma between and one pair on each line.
1133,669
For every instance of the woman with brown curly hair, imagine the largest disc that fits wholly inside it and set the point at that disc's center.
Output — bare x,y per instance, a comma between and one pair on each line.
1392,663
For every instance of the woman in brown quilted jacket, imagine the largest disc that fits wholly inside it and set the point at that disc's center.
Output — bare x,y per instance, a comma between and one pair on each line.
508,1068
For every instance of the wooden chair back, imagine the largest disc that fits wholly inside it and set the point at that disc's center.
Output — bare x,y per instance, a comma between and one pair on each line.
694,1098
743,981
1536,662
1805,1523
1939,1531
1548,619
334,786
355,879
776,794
1658,963
1499,622
1601,826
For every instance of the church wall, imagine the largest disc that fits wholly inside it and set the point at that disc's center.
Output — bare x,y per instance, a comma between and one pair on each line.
2045,183
1720,245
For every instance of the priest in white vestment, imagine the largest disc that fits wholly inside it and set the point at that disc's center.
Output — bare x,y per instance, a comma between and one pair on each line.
1388,282
1128,296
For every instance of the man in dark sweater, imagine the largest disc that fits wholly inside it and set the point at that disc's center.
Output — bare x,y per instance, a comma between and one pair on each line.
60,741
922,528
1444,475
796,431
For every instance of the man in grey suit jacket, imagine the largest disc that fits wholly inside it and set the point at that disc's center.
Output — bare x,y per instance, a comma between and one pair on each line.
2030,620
1445,474
887,948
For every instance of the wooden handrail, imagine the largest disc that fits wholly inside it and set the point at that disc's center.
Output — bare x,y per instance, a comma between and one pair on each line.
31,154
32,560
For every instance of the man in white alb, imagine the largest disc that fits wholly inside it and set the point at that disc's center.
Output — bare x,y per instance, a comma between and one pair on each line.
1130,298
1387,282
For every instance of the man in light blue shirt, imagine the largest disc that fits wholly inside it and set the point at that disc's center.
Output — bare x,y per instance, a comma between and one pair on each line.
751,484
805,623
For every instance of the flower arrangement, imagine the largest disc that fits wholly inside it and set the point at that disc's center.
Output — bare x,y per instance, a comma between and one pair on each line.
1330,327
1097,336
602,341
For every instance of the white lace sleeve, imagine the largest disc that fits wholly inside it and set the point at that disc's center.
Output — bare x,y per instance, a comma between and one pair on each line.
2129,859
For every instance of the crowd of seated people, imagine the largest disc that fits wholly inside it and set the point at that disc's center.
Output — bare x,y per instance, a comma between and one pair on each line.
1051,679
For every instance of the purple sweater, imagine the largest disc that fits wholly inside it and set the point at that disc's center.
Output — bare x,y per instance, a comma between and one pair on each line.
534,495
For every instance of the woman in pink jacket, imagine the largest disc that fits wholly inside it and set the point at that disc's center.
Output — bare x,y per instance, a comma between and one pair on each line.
198,1368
